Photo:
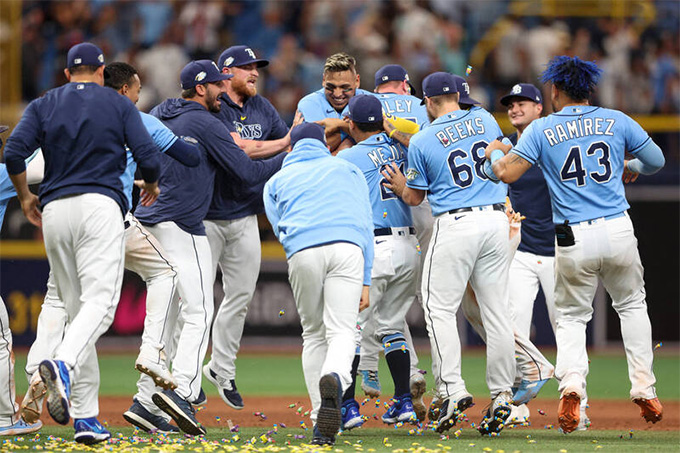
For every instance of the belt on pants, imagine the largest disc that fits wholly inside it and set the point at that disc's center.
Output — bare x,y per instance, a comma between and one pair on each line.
602,219
391,231
489,207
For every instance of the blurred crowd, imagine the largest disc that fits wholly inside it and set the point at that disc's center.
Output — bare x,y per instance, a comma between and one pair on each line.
642,66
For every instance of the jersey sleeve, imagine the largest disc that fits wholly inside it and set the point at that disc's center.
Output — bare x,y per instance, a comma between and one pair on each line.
279,127
311,110
635,137
162,136
527,146
141,145
24,140
271,206
416,177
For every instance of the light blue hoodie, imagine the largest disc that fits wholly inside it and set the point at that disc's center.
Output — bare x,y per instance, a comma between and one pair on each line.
318,199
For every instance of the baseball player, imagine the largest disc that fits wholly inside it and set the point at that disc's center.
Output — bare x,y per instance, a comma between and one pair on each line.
393,89
83,205
328,105
176,220
328,240
10,422
395,259
580,149
469,243
231,222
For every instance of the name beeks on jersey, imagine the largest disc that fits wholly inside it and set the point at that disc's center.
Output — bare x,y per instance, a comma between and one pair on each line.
581,127
248,131
460,130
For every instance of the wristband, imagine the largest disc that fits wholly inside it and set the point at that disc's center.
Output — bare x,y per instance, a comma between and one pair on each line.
495,155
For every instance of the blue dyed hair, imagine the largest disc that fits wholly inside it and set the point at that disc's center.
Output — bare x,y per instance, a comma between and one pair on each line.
576,77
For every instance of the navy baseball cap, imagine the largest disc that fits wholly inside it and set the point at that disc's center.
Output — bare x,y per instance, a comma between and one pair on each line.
240,56
307,130
391,72
365,108
523,90
437,84
198,72
464,90
84,54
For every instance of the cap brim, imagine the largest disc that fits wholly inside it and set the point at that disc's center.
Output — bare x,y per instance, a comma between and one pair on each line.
468,100
413,89
3,129
505,100
260,62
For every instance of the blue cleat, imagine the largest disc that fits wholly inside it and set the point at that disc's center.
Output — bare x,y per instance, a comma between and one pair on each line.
351,418
20,428
140,417
401,410
527,391
55,375
181,411
89,431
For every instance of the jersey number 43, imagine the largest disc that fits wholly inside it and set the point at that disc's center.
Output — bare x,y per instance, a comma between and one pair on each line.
573,165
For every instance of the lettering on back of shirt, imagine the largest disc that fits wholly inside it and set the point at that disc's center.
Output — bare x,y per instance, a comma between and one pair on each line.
382,156
580,127
460,130
400,106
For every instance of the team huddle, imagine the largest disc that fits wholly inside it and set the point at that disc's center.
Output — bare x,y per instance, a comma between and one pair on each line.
378,197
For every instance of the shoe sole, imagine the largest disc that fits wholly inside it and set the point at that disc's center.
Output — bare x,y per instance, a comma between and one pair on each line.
143,424
497,423
433,410
529,392
208,375
329,418
647,411
20,431
32,404
185,423
569,412
90,438
370,391
418,388
160,381
353,423
57,402
463,405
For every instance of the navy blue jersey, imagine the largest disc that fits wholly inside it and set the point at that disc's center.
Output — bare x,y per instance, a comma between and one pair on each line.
529,196
82,129
256,120
186,192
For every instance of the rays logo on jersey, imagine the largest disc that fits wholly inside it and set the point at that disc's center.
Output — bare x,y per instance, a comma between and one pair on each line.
248,131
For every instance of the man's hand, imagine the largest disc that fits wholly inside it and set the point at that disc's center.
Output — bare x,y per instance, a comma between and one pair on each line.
364,302
628,175
496,144
238,140
333,125
149,193
30,204
396,181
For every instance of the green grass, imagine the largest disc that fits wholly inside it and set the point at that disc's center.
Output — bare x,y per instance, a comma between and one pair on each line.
367,440
264,375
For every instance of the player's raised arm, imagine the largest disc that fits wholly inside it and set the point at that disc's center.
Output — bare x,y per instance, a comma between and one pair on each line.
503,165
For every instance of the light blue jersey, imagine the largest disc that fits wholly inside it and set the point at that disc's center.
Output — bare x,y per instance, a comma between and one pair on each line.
7,191
447,157
315,106
163,137
580,150
371,156
404,106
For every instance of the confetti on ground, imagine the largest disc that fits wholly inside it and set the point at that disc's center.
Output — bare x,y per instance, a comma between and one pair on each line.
541,411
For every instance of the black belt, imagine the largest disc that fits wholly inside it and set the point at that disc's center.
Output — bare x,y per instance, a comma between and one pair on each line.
388,231
496,207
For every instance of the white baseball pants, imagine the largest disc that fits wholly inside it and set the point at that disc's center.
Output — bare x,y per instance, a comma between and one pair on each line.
474,247
527,272
84,240
606,249
235,246
191,253
8,406
327,282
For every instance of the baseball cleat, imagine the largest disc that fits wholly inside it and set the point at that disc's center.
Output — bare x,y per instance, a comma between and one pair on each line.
320,439
401,410
201,400
19,428
140,417
55,375
226,388
495,417
519,416
527,391
157,371
181,411
370,383
32,404
329,418
569,412
434,409
451,409
89,431
650,409
351,418
418,386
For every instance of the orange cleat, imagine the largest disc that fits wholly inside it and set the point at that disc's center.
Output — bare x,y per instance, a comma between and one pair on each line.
650,410
569,411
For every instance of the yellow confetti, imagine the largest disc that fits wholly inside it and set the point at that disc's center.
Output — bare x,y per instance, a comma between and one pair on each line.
658,345
468,70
